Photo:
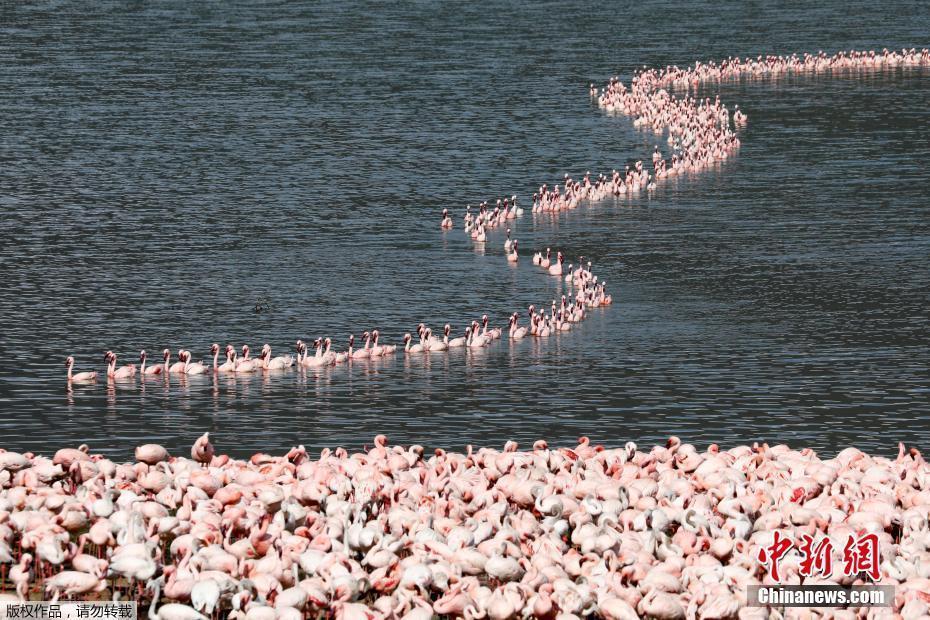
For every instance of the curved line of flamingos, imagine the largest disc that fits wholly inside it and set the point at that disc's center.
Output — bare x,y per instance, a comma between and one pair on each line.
543,533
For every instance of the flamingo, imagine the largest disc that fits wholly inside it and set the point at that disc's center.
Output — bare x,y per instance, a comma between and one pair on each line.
516,332
436,345
176,368
196,368
150,370
79,377
342,356
276,363
228,365
494,333
258,363
545,262
357,354
508,243
316,360
386,349
241,365
512,257
329,358
412,348
376,349
446,220
456,342
556,269
127,371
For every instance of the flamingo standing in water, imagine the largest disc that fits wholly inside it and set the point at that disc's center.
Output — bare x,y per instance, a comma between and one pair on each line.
157,369
446,219
556,269
508,243
78,376
129,370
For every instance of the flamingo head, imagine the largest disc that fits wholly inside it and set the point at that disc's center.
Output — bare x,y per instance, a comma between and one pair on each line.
166,354
245,350
107,356
214,349
484,319
69,361
351,339
445,212
142,355
407,337
532,309
548,252
560,257
366,336
467,332
447,329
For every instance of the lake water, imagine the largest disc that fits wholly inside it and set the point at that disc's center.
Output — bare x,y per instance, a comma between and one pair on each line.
166,166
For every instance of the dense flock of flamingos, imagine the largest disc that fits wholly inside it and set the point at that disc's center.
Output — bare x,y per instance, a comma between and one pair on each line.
543,533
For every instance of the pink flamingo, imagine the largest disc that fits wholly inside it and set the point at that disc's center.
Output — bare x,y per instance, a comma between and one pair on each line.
79,377
516,332
178,367
127,371
556,269
196,368
151,370
455,342
357,354
512,257
413,348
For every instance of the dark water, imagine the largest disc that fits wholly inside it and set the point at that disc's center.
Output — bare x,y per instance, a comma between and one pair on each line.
164,166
